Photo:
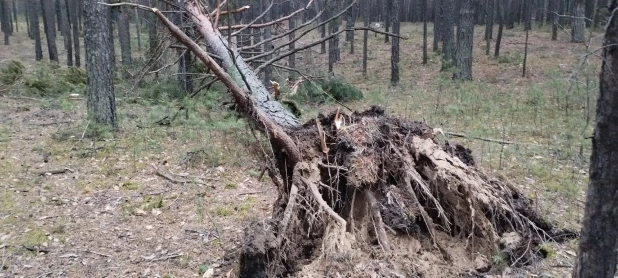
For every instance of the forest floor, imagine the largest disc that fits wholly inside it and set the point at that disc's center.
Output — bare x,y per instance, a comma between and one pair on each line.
171,201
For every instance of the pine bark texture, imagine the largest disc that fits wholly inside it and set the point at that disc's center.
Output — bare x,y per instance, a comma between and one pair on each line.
437,15
502,19
597,246
49,25
465,35
424,19
35,30
99,67
579,23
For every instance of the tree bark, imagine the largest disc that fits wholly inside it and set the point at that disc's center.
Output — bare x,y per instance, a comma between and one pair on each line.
73,15
388,14
15,15
66,30
465,35
424,18
124,35
437,30
237,68
291,37
33,9
5,21
501,18
489,26
365,35
597,245
579,23
555,19
268,46
99,68
396,6
50,28
448,40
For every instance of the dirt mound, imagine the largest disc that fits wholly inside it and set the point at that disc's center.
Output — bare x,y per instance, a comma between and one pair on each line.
377,195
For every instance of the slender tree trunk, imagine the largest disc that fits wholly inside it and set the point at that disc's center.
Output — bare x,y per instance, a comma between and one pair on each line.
509,14
597,245
66,30
5,21
50,28
349,24
395,15
579,23
34,11
354,11
523,73
27,15
138,29
58,22
7,10
15,15
555,19
465,35
489,27
124,35
448,40
365,35
99,66
292,36
388,13
268,47
437,30
501,18
322,28
424,18
73,15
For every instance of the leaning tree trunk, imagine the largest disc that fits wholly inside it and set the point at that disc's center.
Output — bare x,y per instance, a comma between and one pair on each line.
359,174
597,246
50,28
240,71
465,35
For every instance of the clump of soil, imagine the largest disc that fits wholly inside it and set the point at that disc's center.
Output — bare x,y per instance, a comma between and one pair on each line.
378,195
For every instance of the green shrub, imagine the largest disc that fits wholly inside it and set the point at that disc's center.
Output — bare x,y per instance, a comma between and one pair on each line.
326,90
48,79
12,72
510,58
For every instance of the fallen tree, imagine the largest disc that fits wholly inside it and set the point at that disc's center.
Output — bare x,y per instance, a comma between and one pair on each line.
365,194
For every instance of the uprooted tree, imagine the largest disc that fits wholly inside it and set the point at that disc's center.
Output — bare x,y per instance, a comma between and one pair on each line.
364,193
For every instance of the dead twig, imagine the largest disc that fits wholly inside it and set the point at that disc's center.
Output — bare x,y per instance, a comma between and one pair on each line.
97,253
460,135
35,249
377,218
55,171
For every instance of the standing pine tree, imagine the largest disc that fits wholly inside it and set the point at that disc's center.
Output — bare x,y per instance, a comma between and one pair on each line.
465,35
395,15
49,24
34,11
99,66
579,22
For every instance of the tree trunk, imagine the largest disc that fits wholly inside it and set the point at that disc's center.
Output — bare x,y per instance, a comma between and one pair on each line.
388,13
509,14
424,18
124,35
66,30
489,27
58,22
33,10
555,18
50,28
349,24
322,28
238,69
112,15
268,46
138,29
437,30
27,15
579,23
5,21
365,35
597,246
523,72
15,15
291,37
448,40
99,66
333,43
394,14
465,35
73,15
501,18
354,11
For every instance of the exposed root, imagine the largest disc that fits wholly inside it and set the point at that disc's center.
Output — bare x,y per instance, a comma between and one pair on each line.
411,183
